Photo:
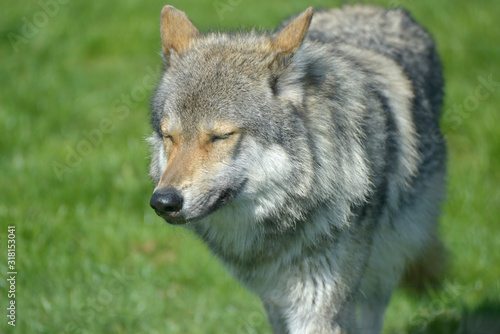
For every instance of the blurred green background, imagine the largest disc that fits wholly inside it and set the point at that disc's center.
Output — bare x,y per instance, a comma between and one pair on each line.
92,257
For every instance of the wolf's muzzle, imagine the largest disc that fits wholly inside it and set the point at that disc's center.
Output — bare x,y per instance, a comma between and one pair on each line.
166,202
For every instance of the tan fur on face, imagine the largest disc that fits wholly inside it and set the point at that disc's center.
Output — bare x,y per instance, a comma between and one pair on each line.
188,159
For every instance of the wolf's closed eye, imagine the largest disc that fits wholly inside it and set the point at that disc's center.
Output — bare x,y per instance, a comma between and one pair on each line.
215,138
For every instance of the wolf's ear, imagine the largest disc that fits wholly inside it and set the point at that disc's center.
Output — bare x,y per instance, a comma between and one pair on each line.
290,38
177,31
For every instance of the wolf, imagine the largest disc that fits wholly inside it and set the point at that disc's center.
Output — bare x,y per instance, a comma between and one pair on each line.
309,159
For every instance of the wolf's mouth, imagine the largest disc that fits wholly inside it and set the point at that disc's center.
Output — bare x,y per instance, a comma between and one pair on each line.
225,197
182,216
168,215
173,218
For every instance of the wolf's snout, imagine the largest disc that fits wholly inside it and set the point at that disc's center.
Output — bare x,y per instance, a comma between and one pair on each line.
166,202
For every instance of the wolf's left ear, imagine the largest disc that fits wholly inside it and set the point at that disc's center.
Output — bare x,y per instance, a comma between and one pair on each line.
290,38
177,31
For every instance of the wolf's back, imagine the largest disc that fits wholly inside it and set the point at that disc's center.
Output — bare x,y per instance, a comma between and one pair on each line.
392,33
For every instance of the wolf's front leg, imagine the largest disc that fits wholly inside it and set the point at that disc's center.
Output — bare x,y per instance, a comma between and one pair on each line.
281,323
276,318
310,306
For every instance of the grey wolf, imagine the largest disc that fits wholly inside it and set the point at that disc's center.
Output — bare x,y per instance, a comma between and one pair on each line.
309,159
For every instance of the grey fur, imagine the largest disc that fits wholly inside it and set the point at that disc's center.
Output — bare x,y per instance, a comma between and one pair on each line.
336,179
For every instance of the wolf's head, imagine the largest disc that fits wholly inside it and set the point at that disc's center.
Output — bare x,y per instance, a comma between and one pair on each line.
226,120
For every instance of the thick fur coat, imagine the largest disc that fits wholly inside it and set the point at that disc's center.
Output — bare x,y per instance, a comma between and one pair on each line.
310,160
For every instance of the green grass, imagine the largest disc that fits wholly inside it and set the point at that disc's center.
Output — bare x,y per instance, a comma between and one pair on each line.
92,257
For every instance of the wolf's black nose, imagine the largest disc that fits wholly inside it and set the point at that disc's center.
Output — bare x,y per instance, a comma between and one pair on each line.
166,202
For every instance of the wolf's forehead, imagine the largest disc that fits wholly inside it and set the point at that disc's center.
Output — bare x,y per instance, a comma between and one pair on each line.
222,54
214,81
191,128
215,71
213,86
199,100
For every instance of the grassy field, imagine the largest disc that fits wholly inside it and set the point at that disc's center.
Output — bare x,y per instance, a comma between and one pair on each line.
92,257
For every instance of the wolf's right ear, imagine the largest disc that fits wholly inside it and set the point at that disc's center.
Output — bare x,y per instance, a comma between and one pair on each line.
290,38
177,31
